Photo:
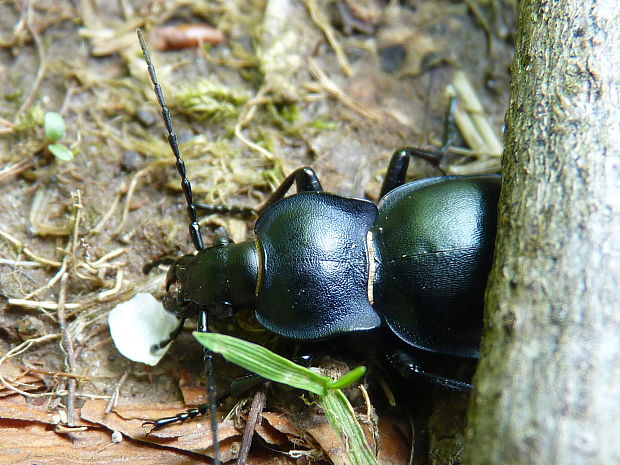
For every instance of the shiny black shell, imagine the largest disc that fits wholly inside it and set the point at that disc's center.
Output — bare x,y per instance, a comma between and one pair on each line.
313,266
329,265
434,242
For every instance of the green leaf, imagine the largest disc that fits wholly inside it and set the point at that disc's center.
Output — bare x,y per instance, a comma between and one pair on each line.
264,363
61,152
341,418
54,126
348,379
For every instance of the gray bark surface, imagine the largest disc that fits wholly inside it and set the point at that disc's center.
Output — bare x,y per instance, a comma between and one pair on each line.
548,383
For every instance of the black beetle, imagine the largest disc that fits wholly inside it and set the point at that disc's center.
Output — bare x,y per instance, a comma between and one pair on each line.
323,265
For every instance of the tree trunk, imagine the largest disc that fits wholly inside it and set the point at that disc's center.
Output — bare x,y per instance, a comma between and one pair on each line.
548,384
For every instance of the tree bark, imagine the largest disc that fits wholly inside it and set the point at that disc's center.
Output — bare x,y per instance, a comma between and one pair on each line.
547,389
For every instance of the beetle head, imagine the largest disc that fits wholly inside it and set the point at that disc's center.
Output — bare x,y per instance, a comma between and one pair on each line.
174,301
214,279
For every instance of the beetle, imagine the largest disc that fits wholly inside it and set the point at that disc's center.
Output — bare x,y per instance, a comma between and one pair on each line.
322,265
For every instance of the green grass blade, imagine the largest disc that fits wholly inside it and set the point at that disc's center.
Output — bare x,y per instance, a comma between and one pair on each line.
348,379
341,418
264,363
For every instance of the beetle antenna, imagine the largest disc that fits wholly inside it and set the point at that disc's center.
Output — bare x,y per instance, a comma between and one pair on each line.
194,232
194,228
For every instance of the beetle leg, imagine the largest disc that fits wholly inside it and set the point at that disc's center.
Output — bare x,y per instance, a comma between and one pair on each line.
202,326
237,388
171,337
407,366
305,180
397,169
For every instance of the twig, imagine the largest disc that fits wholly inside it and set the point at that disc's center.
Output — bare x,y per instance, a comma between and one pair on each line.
258,403
11,171
17,243
80,395
117,388
105,295
6,122
389,395
367,402
17,350
44,304
320,20
109,256
412,447
60,429
50,283
77,217
70,92
475,10
23,347
16,263
332,89
67,345
374,427
132,187
246,117
55,374
474,116
67,342
106,216
42,61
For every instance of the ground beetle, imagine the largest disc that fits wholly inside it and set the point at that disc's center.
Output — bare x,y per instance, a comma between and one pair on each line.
323,265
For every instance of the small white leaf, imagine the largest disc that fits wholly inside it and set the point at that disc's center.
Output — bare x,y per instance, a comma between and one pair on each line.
139,323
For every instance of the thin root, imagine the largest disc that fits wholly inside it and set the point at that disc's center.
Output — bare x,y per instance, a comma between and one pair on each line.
321,21
328,86
42,61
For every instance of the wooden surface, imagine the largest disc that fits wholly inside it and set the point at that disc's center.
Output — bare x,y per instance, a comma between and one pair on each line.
548,384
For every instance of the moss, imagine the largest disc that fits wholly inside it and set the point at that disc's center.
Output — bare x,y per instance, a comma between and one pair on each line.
207,99
31,118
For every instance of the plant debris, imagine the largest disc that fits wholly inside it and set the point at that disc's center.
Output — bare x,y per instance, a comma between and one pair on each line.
182,36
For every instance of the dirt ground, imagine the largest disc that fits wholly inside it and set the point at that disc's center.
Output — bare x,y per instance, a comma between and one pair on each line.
335,84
